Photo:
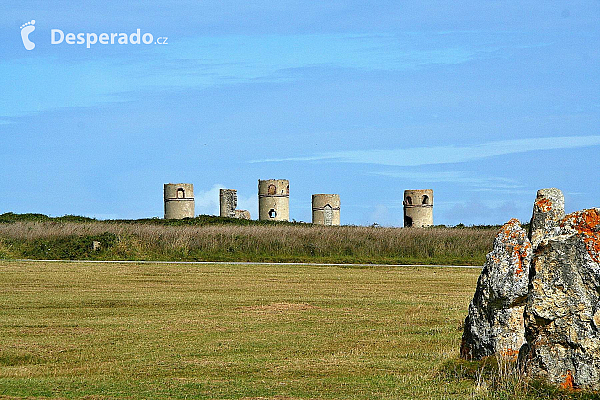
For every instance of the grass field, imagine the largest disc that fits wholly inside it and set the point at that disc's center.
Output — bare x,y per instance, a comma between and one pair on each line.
221,239
72,330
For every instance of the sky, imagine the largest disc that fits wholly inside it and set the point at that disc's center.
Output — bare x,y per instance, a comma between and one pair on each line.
485,102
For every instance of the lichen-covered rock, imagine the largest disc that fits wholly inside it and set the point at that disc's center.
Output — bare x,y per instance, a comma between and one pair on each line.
495,320
562,315
548,210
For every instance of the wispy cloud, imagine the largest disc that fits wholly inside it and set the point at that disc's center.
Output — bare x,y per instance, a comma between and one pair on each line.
55,78
207,201
461,177
446,154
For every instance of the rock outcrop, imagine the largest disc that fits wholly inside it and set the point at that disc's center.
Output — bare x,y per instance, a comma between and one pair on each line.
556,302
562,315
495,320
548,210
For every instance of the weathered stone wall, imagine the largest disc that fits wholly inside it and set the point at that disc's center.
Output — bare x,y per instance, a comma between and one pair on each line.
274,200
418,208
326,209
179,200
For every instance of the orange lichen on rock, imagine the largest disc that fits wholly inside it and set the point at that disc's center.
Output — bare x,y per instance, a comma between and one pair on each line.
519,269
568,383
512,230
587,223
494,325
543,204
519,253
510,354
509,230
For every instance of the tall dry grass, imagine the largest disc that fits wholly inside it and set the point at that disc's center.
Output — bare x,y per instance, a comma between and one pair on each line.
268,243
499,378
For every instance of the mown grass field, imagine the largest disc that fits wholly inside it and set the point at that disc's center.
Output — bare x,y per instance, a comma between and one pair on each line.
71,330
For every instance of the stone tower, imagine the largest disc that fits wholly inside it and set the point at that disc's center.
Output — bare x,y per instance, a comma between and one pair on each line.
179,200
418,208
274,200
227,202
326,209
228,205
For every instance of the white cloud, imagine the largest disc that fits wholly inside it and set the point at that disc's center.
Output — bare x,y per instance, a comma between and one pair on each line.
207,202
382,215
453,176
447,154
476,212
249,203
210,60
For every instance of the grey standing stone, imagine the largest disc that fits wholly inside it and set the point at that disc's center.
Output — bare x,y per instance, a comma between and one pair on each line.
548,210
562,315
495,320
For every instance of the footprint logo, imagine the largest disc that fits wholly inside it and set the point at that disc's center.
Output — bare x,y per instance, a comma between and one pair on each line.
26,29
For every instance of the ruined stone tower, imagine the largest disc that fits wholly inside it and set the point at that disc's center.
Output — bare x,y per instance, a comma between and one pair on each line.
228,205
179,200
418,208
274,200
227,202
326,209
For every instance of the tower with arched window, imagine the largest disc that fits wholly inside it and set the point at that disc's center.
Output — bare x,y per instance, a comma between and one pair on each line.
274,200
326,209
418,208
179,200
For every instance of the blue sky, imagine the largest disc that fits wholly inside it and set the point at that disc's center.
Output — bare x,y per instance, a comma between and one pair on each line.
484,102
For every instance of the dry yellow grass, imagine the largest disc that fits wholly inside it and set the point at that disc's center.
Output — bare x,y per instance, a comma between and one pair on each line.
171,331
255,242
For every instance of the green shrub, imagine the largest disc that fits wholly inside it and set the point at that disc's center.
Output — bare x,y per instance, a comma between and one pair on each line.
68,247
